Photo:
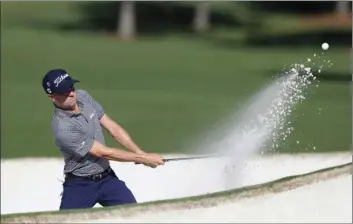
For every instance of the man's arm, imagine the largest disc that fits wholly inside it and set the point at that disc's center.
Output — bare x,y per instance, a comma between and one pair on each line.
100,150
119,134
151,160
75,142
114,129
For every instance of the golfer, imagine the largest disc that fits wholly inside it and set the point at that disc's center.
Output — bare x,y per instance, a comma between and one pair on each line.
77,128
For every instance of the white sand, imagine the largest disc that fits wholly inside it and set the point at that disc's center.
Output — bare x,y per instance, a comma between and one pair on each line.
328,201
32,185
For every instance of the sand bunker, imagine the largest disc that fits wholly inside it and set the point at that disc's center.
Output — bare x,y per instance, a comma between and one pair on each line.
327,201
33,185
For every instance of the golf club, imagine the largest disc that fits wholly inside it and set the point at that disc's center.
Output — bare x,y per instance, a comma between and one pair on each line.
186,158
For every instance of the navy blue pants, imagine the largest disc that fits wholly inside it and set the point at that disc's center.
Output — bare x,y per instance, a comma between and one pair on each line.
110,191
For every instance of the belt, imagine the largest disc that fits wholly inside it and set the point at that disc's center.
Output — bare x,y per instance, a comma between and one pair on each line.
94,177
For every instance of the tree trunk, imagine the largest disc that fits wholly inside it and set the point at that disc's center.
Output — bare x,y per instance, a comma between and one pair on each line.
126,26
201,20
342,7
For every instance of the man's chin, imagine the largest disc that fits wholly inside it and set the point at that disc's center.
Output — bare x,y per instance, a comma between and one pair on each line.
69,107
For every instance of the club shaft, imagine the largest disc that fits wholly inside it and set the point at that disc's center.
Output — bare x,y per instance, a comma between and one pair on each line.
184,158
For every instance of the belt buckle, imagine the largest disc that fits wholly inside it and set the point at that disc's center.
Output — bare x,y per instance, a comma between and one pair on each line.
97,176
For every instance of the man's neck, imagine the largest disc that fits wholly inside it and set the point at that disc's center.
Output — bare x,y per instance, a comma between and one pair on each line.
76,109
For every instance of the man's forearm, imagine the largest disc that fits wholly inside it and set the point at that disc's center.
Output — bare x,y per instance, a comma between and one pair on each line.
121,136
115,154
122,156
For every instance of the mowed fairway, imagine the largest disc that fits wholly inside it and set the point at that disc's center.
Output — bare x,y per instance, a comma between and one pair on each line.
165,91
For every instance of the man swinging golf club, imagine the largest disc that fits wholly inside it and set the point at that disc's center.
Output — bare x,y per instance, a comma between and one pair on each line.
76,126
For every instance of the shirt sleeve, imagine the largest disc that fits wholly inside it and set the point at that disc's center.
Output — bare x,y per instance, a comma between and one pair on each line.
96,105
74,141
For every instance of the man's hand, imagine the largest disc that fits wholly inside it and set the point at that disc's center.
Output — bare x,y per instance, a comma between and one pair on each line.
152,160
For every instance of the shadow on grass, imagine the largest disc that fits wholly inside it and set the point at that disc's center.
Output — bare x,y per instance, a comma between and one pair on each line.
297,7
334,37
339,38
324,76
103,17
335,77
177,18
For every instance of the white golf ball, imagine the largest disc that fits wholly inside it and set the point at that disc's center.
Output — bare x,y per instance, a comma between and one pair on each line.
325,46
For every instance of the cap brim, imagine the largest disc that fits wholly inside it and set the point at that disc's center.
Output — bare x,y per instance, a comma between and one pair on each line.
66,85
74,81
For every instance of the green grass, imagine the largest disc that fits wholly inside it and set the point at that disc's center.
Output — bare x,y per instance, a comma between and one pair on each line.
165,91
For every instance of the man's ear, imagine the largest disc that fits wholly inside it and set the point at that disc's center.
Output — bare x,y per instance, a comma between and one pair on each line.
50,96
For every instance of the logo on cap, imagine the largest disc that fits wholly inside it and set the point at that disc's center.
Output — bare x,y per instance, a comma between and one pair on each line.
58,80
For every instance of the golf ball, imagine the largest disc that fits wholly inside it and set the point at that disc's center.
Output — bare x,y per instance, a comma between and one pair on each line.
324,46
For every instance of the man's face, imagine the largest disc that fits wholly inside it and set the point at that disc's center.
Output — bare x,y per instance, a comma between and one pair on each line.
66,101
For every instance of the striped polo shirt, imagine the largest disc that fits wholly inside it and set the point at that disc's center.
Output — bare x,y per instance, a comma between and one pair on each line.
74,135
